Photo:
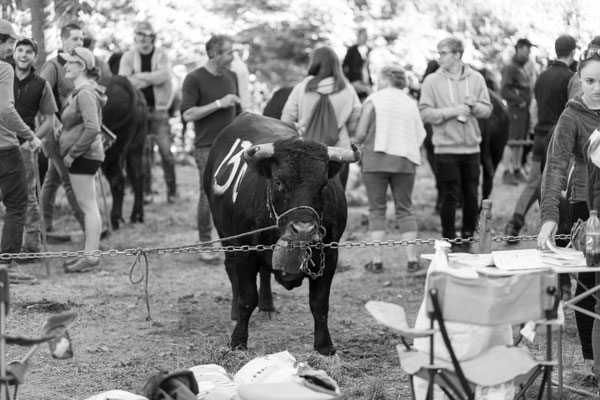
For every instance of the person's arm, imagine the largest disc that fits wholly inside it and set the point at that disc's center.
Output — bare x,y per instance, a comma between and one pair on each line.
47,109
354,115
483,106
191,95
362,128
161,75
88,106
430,113
8,112
126,69
507,90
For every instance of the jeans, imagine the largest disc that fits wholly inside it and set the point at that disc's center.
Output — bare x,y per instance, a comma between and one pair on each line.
204,216
458,173
530,194
402,184
32,240
57,174
159,132
14,189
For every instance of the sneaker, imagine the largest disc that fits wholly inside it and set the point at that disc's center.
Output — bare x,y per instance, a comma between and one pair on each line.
57,237
82,265
509,179
210,258
375,268
19,277
520,176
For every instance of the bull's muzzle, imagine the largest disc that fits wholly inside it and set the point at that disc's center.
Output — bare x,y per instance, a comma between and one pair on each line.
301,232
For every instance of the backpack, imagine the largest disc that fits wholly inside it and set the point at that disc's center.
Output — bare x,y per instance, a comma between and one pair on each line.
322,126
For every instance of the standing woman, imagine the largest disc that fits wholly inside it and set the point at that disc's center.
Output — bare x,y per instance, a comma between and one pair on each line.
575,125
325,77
391,132
81,145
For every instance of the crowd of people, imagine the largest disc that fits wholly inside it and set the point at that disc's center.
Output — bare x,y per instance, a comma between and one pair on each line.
60,109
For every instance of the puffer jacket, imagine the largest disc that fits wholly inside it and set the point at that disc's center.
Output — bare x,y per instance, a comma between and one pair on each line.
81,117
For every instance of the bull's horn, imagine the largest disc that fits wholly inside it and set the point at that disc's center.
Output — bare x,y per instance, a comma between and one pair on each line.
343,155
258,152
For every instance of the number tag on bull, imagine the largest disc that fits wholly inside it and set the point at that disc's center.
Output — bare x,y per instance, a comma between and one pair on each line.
232,168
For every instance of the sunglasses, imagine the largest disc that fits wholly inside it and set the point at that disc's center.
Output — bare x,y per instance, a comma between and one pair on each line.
443,53
590,53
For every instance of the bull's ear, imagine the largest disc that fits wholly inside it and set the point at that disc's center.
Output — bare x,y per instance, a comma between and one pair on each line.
334,168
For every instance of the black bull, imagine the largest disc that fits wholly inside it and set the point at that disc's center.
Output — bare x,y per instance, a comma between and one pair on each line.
260,173
125,114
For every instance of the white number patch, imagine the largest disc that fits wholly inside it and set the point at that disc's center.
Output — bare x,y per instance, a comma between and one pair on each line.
231,169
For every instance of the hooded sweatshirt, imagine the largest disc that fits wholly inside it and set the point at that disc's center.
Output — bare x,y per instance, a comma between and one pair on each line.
300,104
82,120
573,129
442,91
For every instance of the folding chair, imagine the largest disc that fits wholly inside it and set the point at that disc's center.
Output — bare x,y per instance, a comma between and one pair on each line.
485,301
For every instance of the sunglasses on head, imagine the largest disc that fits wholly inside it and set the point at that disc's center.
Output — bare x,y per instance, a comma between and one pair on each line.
590,53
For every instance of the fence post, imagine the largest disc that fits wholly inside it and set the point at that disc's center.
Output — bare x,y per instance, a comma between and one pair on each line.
485,227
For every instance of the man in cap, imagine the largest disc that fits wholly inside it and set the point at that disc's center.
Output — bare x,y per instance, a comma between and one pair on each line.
12,177
149,69
516,90
33,95
53,72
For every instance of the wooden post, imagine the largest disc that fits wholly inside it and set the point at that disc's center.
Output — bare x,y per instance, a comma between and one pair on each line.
485,227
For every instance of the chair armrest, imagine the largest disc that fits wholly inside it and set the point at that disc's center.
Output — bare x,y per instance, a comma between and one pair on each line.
393,316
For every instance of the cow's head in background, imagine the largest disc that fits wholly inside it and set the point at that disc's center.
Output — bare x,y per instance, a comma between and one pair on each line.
298,173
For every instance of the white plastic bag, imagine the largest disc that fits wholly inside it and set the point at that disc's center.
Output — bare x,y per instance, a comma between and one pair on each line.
272,368
213,380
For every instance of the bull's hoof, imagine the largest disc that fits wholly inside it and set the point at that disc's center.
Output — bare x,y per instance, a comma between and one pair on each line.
266,307
326,350
137,218
266,315
238,346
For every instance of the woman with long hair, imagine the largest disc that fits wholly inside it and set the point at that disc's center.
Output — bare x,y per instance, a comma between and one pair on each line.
391,130
325,77
81,145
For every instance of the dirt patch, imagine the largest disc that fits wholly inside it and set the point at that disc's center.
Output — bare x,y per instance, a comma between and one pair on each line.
116,348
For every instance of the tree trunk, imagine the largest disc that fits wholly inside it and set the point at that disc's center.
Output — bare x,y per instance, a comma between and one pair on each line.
38,24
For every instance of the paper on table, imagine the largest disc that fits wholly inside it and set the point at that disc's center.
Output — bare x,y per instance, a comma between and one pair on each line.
509,260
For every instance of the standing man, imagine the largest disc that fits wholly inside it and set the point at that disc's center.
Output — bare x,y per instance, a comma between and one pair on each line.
53,71
551,94
516,90
452,98
33,95
12,177
149,69
210,99
356,65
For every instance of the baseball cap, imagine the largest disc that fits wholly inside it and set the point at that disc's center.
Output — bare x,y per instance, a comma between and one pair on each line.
525,42
80,54
145,27
27,42
565,44
6,28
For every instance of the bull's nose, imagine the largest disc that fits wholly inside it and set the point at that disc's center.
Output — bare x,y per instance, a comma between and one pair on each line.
304,231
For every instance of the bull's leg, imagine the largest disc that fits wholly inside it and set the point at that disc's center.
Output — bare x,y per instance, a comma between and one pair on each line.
246,269
265,295
233,279
319,304
112,168
136,176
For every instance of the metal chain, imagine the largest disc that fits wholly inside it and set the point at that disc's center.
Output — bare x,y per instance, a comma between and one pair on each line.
202,248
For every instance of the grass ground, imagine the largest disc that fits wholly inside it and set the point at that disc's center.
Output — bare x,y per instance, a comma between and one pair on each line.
116,348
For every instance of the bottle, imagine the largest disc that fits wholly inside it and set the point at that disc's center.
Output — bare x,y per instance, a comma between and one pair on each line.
592,240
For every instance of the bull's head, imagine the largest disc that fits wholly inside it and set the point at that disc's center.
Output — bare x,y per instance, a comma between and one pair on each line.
299,174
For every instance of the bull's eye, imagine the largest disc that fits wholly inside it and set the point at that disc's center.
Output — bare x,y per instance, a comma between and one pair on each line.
277,183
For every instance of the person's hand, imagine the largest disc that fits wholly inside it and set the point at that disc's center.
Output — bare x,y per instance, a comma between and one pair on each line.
470,101
462,110
229,100
522,104
68,160
35,143
547,232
